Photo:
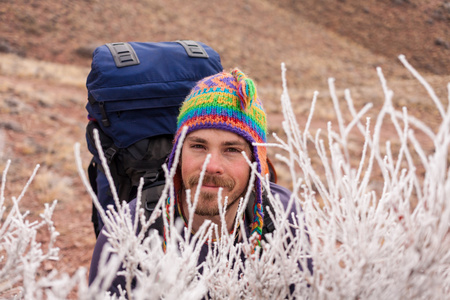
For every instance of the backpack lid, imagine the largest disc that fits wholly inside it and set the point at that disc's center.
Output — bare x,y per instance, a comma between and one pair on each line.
135,89
164,70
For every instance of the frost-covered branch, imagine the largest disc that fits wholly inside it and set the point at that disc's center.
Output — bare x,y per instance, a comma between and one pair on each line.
374,222
371,244
22,254
365,242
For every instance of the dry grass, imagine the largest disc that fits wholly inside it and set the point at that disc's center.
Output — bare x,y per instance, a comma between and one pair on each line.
24,68
49,185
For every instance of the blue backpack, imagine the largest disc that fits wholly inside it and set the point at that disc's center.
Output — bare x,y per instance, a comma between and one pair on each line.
135,91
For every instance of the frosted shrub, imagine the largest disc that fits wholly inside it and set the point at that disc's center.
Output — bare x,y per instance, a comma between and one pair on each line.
369,245
392,243
22,255
365,242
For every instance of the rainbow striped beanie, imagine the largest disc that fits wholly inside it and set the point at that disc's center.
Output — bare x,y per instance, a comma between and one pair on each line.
228,101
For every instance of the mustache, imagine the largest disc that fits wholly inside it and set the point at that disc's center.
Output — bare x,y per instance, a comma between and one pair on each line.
212,180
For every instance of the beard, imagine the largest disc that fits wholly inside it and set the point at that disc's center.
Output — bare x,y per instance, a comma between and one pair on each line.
207,204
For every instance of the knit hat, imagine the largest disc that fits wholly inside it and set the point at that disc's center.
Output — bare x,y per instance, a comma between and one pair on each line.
228,101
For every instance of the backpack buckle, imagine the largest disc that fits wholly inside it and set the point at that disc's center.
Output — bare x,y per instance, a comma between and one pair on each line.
110,153
123,54
193,49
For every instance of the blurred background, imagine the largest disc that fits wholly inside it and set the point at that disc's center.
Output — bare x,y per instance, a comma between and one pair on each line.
45,56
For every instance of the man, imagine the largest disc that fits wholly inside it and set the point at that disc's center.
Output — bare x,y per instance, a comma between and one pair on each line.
224,118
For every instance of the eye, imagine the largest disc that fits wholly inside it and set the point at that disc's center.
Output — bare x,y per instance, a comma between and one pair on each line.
231,149
197,146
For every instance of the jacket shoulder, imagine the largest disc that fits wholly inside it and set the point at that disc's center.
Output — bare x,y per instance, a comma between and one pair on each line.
282,192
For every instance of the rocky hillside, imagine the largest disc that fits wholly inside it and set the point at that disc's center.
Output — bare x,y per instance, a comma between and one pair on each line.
420,29
313,37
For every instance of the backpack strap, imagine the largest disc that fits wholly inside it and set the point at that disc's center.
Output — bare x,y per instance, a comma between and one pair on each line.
111,152
92,173
149,199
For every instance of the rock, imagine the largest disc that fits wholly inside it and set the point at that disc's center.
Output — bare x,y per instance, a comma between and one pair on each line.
400,2
14,105
11,125
5,47
442,43
86,51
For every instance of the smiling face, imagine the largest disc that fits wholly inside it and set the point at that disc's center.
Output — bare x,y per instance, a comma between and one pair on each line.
227,167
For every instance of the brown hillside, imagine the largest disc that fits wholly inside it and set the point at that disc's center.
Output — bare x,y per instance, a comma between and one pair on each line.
420,29
45,53
255,35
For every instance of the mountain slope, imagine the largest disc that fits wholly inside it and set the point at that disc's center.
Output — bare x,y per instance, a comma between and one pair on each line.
254,35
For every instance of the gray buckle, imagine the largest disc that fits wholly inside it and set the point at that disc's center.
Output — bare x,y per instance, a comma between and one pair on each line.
123,54
193,49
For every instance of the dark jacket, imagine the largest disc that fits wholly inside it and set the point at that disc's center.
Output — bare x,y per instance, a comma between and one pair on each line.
283,193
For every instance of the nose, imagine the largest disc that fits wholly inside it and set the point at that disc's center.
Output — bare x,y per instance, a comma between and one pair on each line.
215,165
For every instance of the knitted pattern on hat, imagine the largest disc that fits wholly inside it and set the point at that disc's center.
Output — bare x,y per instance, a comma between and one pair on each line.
228,101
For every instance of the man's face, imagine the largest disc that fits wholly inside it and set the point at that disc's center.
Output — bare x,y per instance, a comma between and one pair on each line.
227,167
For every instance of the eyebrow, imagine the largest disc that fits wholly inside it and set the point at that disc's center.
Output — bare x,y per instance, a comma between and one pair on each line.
195,139
235,143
